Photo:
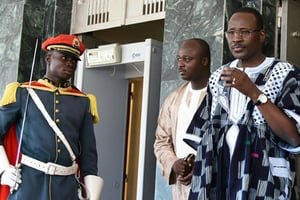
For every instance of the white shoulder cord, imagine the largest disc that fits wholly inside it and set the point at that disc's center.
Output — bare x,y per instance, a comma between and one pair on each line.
51,123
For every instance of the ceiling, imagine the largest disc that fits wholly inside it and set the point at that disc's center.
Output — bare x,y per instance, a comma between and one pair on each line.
131,33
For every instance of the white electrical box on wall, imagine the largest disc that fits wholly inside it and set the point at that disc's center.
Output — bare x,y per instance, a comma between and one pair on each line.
103,55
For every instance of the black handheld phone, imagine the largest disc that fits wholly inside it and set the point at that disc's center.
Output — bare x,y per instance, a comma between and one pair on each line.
190,160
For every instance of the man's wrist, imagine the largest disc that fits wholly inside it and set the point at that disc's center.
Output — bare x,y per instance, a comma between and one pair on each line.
261,99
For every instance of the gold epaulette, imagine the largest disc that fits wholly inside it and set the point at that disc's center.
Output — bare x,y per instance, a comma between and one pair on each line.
94,109
9,95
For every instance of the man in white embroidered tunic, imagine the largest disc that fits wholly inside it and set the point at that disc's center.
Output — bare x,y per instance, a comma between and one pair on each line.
248,126
176,113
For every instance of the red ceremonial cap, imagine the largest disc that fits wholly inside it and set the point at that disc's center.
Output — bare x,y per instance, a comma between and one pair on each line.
69,44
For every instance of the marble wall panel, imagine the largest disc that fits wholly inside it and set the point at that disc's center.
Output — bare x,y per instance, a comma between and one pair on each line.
32,33
11,15
25,22
269,16
188,19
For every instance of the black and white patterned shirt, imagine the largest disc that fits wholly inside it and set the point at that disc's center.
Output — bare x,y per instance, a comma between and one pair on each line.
262,166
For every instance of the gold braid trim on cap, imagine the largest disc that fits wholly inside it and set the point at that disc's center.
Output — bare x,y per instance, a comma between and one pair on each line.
64,48
9,95
94,109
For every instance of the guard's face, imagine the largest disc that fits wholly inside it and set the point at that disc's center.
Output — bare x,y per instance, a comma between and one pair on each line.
191,61
61,66
244,38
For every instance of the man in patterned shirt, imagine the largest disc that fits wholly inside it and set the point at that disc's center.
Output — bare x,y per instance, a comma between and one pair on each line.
247,130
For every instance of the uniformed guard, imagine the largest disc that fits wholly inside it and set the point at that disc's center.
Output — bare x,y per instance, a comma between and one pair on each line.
52,122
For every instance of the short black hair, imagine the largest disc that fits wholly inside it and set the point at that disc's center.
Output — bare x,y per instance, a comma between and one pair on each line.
256,13
205,46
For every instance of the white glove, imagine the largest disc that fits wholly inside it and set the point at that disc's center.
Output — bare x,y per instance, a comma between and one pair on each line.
94,185
11,177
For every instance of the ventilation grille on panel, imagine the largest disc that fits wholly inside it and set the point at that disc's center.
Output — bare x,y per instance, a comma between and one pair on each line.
98,12
153,6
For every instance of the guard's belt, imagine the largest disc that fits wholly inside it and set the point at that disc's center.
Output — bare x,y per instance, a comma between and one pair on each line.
49,168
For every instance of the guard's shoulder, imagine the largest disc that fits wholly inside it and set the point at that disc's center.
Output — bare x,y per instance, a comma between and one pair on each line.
93,108
9,95
76,90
